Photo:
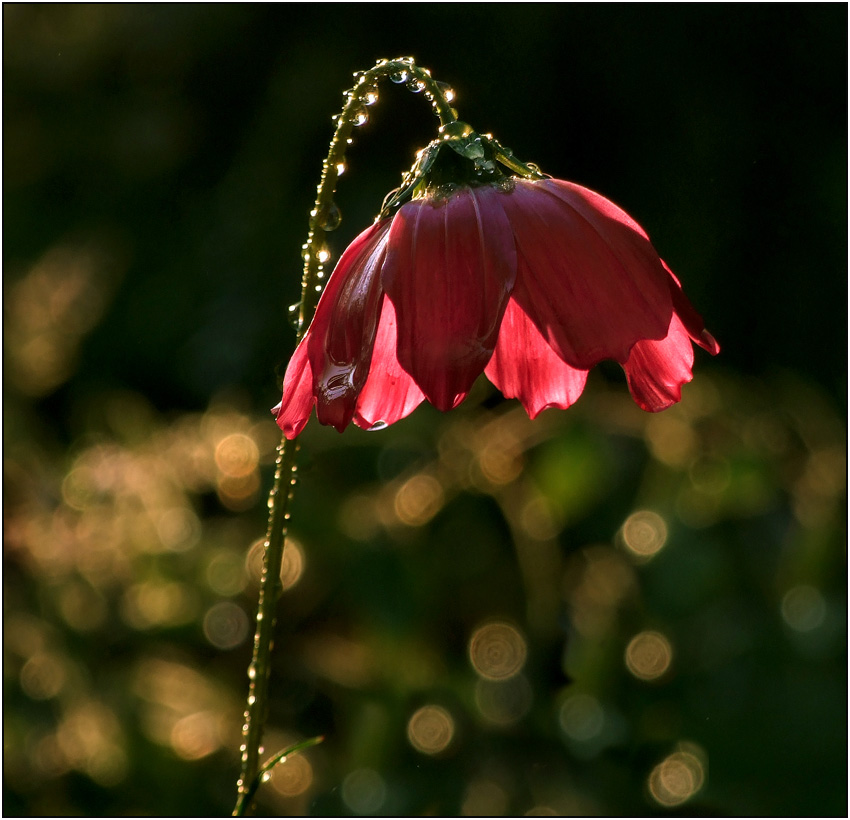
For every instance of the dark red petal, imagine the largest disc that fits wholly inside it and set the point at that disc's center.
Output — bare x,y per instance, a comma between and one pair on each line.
587,275
297,403
656,370
524,366
450,266
343,330
690,318
390,393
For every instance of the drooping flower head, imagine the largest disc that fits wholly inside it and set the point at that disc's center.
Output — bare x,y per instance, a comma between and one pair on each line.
471,268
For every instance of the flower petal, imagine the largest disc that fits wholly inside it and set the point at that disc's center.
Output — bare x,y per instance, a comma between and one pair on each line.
656,370
450,266
343,330
524,366
587,275
690,318
297,403
390,393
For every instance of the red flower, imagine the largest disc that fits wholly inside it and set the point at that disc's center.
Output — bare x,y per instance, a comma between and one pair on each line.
533,283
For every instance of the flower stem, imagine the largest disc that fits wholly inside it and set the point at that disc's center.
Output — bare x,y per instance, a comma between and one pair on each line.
323,218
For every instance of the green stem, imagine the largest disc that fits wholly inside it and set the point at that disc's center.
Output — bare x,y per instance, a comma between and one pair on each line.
323,218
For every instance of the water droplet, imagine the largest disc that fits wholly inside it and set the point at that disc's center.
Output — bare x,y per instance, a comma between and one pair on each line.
243,747
259,616
266,777
399,76
251,700
252,672
323,255
361,117
415,85
448,91
473,150
455,129
370,97
340,169
292,313
330,217
378,425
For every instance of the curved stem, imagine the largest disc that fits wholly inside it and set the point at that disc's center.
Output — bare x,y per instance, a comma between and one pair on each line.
323,218
357,99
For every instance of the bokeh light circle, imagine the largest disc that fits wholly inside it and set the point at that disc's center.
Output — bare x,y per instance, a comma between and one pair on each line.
648,655
497,651
430,730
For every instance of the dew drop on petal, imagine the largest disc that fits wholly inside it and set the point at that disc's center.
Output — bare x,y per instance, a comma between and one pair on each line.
399,76
378,425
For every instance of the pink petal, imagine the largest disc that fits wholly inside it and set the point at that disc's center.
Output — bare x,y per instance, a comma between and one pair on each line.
390,393
343,330
297,403
656,370
587,274
450,266
690,318
524,366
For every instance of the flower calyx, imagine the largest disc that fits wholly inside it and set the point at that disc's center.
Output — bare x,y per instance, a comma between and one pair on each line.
460,157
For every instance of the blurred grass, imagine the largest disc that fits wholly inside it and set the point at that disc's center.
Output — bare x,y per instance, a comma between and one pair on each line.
657,604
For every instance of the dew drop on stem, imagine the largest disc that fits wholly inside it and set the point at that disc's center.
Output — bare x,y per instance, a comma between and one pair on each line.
330,217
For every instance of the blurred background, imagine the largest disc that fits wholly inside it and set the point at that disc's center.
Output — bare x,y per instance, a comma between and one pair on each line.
600,612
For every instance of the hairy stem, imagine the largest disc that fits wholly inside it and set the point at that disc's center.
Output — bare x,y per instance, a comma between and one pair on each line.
323,218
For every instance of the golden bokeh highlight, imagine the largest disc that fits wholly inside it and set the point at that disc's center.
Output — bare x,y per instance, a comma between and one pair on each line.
418,500
180,709
237,455
648,655
497,651
157,603
89,739
644,533
293,776
196,735
679,776
291,568
430,730
226,625
43,676
49,310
